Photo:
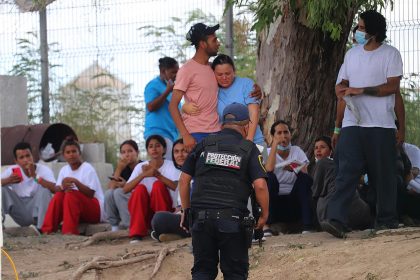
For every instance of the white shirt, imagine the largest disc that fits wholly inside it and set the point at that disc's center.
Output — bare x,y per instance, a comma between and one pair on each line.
369,69
86,174
286,178
413,153
28,187
167,169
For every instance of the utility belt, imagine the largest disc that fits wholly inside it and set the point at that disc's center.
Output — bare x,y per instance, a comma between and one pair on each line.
215,214
247,222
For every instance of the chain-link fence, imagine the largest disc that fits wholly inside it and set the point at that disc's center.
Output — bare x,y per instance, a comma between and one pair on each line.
123,40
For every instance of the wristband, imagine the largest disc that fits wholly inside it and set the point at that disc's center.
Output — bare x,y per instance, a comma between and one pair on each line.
38,179
337,130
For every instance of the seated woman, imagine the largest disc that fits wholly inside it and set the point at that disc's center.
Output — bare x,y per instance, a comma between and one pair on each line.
288,182
116,200
152,187
78,197
165,225
323,174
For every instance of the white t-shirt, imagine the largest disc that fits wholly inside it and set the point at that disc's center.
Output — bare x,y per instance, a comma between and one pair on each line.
167,169
86,174
28,187
413,153
286,178
369,69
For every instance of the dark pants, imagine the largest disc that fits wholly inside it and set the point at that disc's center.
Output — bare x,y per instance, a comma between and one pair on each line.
211,238
293,207
370,150
167,222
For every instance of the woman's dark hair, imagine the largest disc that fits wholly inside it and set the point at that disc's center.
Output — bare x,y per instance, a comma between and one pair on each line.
375,24
222,59
70,142
273,127
132,143
158,138
179,141
167,63
325,139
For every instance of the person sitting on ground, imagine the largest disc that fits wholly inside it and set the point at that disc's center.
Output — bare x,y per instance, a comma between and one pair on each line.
165,225
323,174
78,194
152,187
26,188
413,153
116,200
289,184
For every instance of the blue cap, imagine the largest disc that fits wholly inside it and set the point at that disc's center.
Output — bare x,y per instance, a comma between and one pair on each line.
238,112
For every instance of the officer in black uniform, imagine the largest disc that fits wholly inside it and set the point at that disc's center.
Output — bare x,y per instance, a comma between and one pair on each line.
225,168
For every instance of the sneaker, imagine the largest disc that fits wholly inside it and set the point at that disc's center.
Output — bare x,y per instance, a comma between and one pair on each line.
154,236
135,239
115,228
166,237
334,228
307,231
35,230
256,241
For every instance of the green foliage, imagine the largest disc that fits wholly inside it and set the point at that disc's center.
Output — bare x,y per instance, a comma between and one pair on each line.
28,64
170,40
411,96
326,15
96,113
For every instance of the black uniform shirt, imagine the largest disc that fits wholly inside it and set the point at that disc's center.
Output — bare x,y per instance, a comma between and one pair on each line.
255,166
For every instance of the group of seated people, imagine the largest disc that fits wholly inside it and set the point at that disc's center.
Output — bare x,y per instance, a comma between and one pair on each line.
142,196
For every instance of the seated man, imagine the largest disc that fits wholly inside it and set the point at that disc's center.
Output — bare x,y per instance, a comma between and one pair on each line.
288,182
26,188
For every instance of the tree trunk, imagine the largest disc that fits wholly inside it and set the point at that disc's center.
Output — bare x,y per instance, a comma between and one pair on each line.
297,68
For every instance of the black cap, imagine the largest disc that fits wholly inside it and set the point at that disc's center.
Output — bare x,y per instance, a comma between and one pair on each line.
199,31
236,112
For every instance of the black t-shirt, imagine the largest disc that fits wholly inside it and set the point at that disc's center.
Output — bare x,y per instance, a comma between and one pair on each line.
126,172
255,166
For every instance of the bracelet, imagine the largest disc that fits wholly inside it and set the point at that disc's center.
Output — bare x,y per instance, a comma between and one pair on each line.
337,130
38,179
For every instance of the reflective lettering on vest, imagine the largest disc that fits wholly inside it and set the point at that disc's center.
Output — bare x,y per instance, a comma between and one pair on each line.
223,160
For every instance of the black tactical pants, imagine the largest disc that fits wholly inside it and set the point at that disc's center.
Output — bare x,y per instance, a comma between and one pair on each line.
212,238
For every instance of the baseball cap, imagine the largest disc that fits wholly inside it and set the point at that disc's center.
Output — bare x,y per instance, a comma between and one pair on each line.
199,31
237,112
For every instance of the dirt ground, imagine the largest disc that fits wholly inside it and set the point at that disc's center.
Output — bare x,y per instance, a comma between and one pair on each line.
386,255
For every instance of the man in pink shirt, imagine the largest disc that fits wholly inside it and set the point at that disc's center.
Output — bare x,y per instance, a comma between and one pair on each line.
197,83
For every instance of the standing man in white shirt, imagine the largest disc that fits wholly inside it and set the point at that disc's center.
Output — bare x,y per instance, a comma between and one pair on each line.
371,75
26,188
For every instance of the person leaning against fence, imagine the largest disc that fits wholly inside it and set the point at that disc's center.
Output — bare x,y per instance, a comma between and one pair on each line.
26,188
78,197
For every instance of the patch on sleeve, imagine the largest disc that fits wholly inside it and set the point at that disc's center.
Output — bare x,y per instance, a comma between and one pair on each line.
223,160
260,159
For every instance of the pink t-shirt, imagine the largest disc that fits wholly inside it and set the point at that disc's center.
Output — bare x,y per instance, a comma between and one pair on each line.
199,84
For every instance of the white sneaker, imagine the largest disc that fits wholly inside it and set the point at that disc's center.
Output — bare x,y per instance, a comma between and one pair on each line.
115,228
35,230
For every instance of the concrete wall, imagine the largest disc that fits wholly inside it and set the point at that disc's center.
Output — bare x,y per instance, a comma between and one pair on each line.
13,101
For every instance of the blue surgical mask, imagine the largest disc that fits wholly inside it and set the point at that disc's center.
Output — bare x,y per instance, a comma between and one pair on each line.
360,37
282,148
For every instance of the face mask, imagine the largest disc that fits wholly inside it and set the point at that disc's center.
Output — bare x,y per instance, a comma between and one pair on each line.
281,148
360,37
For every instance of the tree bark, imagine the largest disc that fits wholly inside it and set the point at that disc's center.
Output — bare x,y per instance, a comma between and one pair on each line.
297,68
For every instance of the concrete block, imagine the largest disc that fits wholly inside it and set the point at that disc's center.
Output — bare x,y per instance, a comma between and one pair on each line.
13,101
93,152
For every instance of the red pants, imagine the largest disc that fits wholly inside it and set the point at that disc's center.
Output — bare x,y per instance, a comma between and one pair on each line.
142,206
70,207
